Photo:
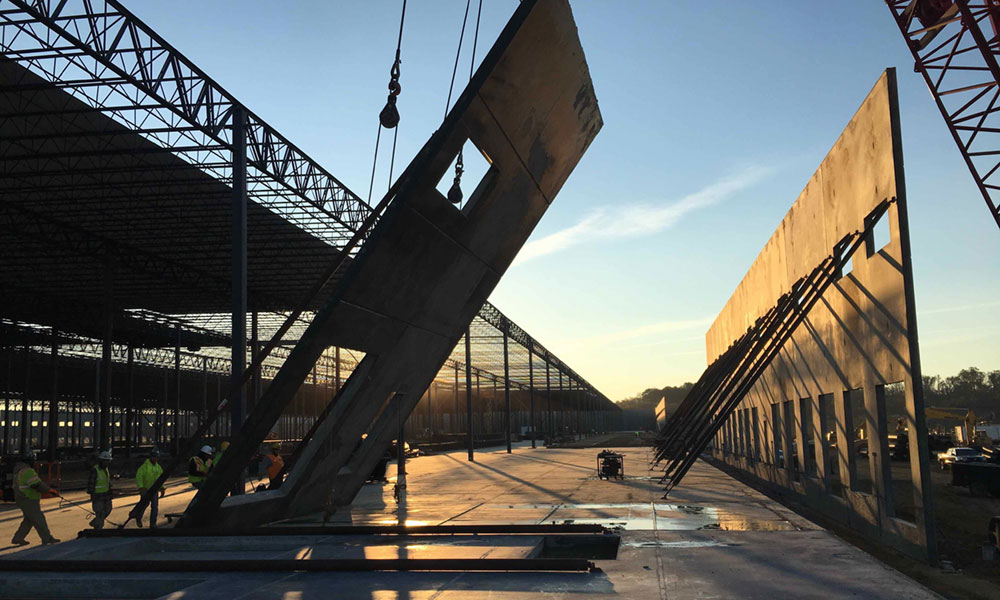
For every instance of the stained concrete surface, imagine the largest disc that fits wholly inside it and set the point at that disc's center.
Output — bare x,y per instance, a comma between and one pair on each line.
712,538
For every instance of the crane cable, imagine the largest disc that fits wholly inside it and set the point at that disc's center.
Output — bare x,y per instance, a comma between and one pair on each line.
389,117
455,192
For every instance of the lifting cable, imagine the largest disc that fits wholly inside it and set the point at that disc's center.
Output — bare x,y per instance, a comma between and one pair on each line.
389,117
455,192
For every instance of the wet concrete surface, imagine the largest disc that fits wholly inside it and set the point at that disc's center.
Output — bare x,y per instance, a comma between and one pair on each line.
712,538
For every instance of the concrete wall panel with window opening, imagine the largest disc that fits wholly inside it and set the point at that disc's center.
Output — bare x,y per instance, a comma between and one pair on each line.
830,446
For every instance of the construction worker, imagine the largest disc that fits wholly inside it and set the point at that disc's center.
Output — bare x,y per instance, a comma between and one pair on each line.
218,455
145,477
99,488
199,466
273,464
28,490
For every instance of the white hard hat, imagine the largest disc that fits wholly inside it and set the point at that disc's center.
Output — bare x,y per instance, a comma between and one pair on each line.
104,455
206,449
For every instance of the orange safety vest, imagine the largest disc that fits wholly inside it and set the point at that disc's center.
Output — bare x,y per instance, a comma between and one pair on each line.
276,465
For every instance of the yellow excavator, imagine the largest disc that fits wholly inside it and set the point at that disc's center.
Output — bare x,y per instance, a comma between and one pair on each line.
966,416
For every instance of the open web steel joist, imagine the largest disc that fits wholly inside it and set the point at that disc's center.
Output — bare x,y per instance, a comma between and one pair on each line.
427,267
117,158
955,45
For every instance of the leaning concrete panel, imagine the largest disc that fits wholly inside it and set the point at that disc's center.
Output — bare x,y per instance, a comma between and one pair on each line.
861,336
428,266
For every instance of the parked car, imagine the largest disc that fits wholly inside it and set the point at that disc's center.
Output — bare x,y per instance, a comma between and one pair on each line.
962,455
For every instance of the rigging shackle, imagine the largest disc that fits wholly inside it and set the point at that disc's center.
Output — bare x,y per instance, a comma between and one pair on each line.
455,193
389,117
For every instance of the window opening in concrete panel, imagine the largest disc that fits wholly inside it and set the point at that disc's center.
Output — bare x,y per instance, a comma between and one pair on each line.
861,478
828,437
903,492
789,420
779,455
808,439
741,435
879,236
755,429
476,168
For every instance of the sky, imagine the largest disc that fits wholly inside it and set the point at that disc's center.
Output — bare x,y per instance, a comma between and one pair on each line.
715,117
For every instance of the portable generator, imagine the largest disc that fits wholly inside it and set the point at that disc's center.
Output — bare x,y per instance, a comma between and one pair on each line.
610,465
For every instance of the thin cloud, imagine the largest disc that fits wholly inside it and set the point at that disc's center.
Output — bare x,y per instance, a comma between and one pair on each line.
644,331
960,308
638,220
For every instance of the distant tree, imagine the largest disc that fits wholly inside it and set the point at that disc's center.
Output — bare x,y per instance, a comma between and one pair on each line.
969,388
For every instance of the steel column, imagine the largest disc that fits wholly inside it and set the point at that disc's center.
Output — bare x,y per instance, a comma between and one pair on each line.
6,400
130,411
336,358
506,385
54,398
548,394
468,392
177,387
256,381
239,267
531,397
25,424
104,431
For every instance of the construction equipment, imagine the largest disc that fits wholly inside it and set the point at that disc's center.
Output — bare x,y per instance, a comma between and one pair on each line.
610,465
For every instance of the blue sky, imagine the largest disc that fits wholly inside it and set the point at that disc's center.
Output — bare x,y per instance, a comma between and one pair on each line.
716,115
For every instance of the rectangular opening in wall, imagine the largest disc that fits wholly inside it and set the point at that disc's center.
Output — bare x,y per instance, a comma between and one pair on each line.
475,168
790,423
881,235
777,448
903,491
808,439
828,438
755,429
861,478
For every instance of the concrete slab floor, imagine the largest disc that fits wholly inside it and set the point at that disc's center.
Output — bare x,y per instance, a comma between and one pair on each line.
713,538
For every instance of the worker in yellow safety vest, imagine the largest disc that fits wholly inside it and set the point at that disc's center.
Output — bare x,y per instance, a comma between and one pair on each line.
145,477
99,488
28,490
199,466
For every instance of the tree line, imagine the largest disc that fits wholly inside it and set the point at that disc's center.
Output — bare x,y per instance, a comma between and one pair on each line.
969,388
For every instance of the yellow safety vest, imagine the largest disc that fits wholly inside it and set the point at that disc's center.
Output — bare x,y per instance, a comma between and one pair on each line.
103,484
202,468
26,478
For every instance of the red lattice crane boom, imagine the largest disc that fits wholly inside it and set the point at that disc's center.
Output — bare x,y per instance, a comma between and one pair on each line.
955,44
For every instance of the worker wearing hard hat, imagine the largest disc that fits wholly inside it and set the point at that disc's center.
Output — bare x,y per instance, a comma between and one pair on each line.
28,490
99,488
273,464
199,466
145,477
218,455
